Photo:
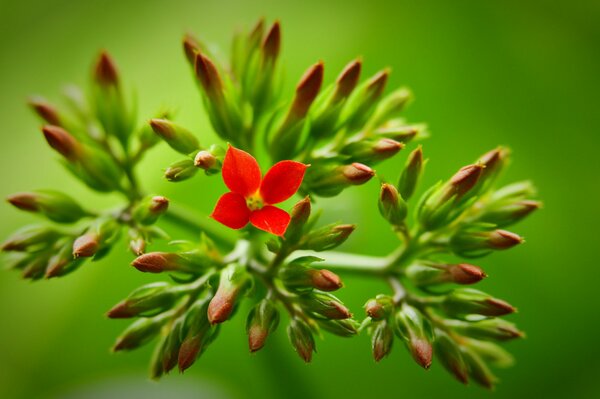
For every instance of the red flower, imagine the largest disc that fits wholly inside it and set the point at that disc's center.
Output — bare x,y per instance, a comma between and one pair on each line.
252,198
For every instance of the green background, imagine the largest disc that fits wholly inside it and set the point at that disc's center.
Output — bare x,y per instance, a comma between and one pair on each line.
524,74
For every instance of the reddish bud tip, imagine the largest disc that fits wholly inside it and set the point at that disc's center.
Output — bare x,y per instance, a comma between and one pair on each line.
272,43
120,311
348,79
388,147
307,89
205,160
422,352
61,141
163,128
188,352
358,173
159,204
45,111
337,312
209,77
86,245
220,307
23,201
325,280
190,47
377,83
257,336
153,262
464,273
502,239
106,71
375,310
466,178
498,307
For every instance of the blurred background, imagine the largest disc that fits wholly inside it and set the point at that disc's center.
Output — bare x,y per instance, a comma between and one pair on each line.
523,74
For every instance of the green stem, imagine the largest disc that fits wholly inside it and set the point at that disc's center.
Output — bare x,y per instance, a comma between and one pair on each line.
351,263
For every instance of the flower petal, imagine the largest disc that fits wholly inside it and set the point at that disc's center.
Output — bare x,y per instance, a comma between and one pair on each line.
241,172
271,219
232,211
282,181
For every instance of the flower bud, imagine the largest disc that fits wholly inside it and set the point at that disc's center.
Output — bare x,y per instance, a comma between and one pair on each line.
370,151
391,206
325,305
181,170
414,330
45,110
196,334
465,179
306,92
411,173
62,262
398,130
191,47
148,300
329,180
341,328
475,242
506,214
171,346
34,270
466,301
105,72
478,370
514,192
357,173
450,355
98,240
272,43
139,333
86,245
31,237
262,320
382,339
299,274
328,237
301,339
347,80
391,106
234,279
187,262
489,352
494,162
488,329
208,76
62,142
211,161
149,209
56,206
178,138
298,218
380,307
425,274
361,103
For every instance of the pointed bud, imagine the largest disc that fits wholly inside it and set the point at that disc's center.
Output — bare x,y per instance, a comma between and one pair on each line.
262,320
478,370
371,150
149,209
397,129
357,173
390,107
325,280
45,110
148,300
347,80
208,76
205,160
234,280
475,242
450,355
86,246
382,339
62,262
414,329
196,334
105,72
362,102
489,329
391,206
98,240
62,142
464,273
465,179
187,262
411,173
30,237
328,237
467,301
272,43
504,214
380,307
325,305
170,349
494,162
181,170
54,205
139,333
301,339
342,328
191,47
178,138
429,273
489,352
329,180
299,216
306,92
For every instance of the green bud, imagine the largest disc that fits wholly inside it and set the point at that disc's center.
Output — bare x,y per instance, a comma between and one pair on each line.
488,329
450,355
494,162
170,349
476,241
140,333
62,262
262,320
148,300
192,261
325,305
503,215
391,205
149,209
197,333
327,237
34,269
380,307
412,327
329,180
299,275
382,339
181,170
425,274
342,328
178,138
411,173
298,218
397,129
514,192
56,206
389,107
489,352
371,150
62,142
301,338
361,104
466,301
46,111
233,281
98,170
98,240
478,370
30,238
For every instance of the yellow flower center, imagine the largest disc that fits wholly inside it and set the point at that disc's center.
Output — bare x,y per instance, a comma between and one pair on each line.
254,202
